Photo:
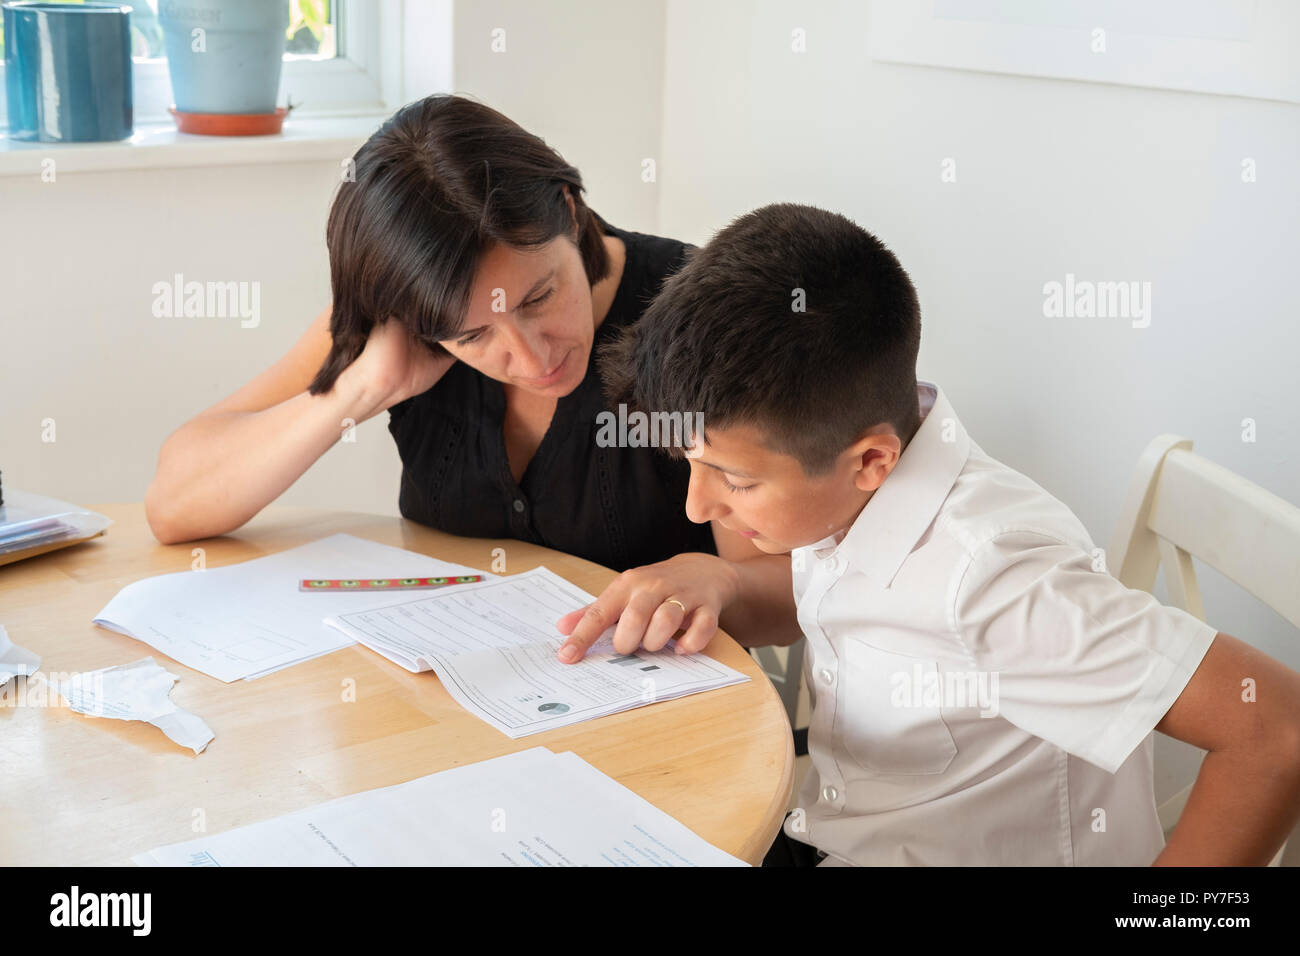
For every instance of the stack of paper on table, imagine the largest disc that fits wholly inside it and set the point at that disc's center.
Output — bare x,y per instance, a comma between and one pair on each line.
493,644
246,620
31,524
532,808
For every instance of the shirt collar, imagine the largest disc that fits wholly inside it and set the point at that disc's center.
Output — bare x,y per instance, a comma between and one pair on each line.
905,504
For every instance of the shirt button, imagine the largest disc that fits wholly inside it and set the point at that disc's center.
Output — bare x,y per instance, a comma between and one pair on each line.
519,505
832,564
827,676
829,793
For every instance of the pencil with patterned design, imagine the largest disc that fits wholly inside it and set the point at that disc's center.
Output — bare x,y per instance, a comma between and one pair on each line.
384,584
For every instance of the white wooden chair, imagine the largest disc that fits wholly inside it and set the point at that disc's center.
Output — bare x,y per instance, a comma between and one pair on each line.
786,676
1181,506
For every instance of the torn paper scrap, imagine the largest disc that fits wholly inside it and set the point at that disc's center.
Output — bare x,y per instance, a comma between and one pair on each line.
15,661
137,691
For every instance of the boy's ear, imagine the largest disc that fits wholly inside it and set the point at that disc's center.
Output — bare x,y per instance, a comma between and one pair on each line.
874,456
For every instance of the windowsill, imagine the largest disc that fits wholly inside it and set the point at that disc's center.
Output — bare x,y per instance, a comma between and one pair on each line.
156,145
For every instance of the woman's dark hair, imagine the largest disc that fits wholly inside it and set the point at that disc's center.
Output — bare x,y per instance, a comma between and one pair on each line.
439,183
794,320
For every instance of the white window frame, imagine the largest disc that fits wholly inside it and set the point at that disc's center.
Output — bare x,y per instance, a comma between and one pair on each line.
364,79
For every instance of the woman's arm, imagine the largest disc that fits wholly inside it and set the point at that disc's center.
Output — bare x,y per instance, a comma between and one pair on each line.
227,463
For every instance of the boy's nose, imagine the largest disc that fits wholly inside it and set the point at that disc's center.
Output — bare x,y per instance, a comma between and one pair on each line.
700,506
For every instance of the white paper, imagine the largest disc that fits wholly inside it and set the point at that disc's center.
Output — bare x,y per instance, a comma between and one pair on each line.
247,620
532,808
14,660
137,691
493,645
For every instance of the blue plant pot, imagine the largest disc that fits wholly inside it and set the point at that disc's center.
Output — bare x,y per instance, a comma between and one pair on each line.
68,72
233,64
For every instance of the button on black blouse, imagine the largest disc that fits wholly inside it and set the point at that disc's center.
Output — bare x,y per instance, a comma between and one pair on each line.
620,507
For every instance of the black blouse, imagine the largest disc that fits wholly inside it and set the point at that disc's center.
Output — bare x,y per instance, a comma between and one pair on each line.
620,507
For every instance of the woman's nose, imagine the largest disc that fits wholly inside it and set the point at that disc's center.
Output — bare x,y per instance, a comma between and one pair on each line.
528,352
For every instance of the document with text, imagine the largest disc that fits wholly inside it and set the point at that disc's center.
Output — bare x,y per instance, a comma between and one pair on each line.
493,645
245,620
531,808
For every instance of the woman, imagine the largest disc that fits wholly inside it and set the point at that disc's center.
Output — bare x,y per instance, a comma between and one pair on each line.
470,286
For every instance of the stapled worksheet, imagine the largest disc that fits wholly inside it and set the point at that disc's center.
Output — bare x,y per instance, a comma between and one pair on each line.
493,645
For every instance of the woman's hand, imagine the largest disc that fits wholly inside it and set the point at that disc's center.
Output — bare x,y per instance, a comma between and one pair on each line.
639,601
394,366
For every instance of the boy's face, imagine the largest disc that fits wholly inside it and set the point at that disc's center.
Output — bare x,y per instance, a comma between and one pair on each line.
766,496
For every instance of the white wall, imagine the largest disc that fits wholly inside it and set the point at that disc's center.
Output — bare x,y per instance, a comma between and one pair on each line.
1106,182
584,75
83,348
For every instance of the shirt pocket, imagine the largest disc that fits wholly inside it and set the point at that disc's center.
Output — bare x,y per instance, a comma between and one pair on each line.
885,725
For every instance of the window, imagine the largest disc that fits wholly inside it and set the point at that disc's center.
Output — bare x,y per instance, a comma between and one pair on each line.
331,60
311,33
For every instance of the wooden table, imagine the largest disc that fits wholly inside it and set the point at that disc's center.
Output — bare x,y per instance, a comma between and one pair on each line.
78,790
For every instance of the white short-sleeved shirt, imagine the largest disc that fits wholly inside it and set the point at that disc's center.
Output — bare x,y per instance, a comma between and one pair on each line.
961,589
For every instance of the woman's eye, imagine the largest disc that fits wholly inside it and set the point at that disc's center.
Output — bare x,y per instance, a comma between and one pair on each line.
539,300
737,488
469,339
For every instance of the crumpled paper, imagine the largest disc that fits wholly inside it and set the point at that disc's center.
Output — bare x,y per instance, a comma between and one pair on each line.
137,691
15,661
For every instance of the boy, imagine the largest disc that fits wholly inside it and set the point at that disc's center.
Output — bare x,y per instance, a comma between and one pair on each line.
983,691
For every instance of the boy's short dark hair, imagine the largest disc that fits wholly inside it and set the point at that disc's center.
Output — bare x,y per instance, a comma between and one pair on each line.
725,337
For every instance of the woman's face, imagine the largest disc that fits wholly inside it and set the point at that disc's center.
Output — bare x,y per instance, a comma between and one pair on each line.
530,321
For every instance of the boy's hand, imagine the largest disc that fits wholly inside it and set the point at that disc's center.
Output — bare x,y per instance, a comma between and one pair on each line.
639,600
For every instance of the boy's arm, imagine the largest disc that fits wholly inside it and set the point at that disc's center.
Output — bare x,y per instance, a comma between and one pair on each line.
1244,708
748,592
1092,666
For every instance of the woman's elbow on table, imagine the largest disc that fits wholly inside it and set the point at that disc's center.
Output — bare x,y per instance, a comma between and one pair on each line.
160,519
174,517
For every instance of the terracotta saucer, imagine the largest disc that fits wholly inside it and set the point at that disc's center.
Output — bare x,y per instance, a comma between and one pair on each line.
229,124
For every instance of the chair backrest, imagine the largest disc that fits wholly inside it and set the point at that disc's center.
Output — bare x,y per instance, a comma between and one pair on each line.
1181,506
